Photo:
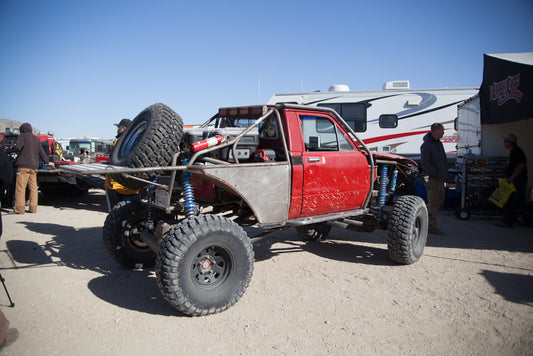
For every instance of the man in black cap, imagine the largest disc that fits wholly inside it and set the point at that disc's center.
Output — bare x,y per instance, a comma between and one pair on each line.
116,192
515,172
122,126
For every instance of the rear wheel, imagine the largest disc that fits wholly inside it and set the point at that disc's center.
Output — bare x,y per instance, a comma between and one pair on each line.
204,265
408,230
313,232
150,141
122,235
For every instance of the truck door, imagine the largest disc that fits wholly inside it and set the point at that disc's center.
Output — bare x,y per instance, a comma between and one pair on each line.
336,173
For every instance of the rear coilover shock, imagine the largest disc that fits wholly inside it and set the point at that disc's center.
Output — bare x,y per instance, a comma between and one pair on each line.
188,193
383,182
392,188
382,193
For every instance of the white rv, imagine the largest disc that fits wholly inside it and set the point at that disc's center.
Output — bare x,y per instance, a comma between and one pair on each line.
394,119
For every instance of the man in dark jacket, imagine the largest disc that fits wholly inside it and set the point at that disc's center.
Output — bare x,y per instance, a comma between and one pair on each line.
28,149
435,166
515,172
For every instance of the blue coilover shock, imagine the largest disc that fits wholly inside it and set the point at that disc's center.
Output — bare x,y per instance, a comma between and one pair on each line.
383,181
393,181
188,193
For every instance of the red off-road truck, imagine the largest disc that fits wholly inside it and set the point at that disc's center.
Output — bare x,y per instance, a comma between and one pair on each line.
271,167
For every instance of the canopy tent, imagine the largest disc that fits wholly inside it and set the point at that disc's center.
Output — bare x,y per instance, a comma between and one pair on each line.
506,105
506,92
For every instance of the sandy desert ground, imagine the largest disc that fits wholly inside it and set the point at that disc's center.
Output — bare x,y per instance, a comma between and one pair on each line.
471,293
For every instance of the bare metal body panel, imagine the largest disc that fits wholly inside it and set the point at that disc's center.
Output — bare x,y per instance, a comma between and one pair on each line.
264,187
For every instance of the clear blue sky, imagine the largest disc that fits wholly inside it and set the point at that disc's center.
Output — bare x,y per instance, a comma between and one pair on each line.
77,67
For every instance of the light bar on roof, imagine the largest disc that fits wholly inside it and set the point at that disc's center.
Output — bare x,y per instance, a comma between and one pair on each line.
243,111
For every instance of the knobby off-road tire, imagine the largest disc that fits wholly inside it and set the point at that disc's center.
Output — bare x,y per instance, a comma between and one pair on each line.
313,232
150,141
204,265
121,235
407,230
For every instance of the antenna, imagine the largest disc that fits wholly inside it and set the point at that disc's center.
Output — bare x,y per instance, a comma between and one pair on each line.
259,93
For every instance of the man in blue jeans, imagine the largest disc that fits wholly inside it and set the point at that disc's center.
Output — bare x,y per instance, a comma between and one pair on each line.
515,172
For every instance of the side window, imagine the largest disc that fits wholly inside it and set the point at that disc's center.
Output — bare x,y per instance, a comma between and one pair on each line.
269,130
388,121
321,134
353,113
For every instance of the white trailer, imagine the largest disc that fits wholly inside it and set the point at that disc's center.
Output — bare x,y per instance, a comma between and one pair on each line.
394,119
468,127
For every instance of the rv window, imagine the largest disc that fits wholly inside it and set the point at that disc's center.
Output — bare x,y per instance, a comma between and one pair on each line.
325,126
336,107
353,113
388,121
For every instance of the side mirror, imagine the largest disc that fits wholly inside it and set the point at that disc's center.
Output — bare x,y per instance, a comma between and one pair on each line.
388,121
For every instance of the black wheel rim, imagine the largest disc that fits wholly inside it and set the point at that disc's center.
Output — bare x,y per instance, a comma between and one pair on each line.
132,137
132,234
211,267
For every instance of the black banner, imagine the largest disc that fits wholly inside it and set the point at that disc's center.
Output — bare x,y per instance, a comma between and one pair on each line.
506,94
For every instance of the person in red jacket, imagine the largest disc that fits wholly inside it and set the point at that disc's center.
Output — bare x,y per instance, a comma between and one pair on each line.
28,149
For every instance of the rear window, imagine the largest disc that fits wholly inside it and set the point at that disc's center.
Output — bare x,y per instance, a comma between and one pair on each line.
353,113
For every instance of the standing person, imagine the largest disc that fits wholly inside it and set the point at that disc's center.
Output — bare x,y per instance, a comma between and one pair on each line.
115,191
28,149
435,166
515,172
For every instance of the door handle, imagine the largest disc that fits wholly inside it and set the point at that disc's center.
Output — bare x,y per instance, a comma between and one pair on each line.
313,159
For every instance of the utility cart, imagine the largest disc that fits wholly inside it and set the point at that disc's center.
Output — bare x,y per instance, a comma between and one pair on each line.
478,180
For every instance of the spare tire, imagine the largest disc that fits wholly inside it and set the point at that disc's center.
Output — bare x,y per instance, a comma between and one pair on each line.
150,141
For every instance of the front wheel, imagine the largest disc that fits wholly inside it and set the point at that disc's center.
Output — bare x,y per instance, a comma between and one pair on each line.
408,230
204,265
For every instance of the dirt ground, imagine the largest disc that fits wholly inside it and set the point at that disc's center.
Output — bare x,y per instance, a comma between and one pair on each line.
471,293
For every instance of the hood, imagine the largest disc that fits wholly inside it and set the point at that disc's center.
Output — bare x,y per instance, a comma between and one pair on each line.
26,128
392,157
429,138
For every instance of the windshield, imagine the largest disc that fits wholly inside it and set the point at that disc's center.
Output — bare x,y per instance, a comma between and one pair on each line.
242,122
77,146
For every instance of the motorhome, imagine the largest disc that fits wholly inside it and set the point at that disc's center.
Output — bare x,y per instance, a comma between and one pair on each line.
95,147
394,119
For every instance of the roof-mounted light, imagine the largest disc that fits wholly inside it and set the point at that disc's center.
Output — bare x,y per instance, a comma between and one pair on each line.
243,111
